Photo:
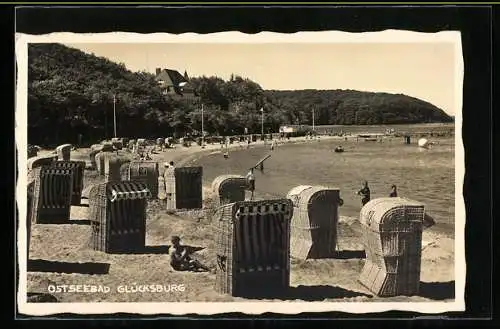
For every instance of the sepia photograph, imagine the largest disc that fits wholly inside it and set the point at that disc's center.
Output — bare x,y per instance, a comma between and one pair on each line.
272,172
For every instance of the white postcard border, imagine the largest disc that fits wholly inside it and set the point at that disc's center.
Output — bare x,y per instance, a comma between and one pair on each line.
209,308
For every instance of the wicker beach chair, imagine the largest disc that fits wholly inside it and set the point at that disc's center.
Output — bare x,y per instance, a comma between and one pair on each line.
393,244
145,172
112,167
52,194
78,168
117,143
229,189
63,152
117,211
183,187
100,159
94,150
253,247
40,160
314,221
107,147
131,144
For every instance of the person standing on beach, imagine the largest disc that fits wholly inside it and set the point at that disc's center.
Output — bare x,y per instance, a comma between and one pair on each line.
251,182
394,192
365,193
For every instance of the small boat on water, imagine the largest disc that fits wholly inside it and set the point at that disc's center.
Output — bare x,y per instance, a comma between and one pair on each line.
370,139
423,143
339,149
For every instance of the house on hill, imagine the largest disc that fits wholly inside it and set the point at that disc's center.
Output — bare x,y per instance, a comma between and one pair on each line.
174,84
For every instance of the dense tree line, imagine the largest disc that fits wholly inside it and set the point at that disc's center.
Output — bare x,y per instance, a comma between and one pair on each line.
72,93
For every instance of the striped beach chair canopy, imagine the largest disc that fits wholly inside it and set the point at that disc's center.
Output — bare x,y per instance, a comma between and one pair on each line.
128,190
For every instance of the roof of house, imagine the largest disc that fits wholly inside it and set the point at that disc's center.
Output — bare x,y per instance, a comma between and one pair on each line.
171,77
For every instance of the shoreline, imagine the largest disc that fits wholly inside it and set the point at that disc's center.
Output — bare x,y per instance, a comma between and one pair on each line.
183,155
186,155
67,243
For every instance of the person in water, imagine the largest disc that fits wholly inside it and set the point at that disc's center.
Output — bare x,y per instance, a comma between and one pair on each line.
394,192
180,259
365,193
251,182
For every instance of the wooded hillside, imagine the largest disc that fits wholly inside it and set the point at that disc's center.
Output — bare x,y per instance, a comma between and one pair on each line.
71,92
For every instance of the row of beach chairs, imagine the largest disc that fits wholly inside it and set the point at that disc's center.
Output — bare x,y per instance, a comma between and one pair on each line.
255,239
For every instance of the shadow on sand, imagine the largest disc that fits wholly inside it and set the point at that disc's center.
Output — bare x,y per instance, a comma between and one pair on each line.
308,293
160,249
84,205
41,265
38,297
437,290
78,222
321,292
350,254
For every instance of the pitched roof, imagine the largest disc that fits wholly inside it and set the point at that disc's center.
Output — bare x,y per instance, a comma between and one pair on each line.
171,77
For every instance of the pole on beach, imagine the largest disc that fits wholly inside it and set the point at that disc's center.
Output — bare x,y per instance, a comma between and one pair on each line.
114,113
202,129
313,118
262,121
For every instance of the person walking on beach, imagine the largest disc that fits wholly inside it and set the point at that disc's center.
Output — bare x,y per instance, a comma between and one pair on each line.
365,193
251,182
394,192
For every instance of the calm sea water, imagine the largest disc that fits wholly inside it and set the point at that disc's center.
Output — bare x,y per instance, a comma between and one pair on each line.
427,176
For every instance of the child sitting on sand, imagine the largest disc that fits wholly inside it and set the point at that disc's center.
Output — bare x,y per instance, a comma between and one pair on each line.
180,259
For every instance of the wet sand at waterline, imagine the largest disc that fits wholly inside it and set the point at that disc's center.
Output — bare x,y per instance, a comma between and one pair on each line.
59,253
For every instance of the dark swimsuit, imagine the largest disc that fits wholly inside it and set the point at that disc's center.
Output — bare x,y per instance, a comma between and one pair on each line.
365,193
179,265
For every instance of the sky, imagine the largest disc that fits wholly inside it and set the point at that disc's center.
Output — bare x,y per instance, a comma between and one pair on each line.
422,70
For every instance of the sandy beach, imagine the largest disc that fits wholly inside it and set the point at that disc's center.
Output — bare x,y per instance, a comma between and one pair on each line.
59,255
